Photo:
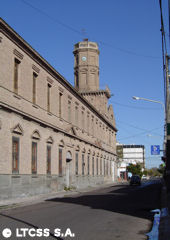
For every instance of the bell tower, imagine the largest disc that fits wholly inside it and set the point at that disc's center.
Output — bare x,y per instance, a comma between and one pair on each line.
86,66
86,76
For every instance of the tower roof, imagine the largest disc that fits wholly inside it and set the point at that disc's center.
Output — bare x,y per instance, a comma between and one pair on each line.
86,44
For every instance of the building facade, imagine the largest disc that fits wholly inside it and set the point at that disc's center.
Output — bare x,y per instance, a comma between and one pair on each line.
130,154
52,135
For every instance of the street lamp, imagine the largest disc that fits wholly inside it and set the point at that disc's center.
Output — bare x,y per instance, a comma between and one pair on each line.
163,105
150,100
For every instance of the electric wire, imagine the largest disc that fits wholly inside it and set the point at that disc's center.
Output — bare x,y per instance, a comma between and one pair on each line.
129,106
138,134
138,128
52,18
82,34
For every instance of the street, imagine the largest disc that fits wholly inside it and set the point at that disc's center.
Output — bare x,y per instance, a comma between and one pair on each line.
115,212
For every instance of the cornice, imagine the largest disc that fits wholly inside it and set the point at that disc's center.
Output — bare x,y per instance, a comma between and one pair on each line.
45,124
22,44
85,50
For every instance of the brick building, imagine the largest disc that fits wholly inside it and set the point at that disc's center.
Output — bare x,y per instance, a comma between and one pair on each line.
52,134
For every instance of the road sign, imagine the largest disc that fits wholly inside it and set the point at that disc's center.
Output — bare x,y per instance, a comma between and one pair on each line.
155,150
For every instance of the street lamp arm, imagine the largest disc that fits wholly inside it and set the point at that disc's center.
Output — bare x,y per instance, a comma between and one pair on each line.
163,105
149,100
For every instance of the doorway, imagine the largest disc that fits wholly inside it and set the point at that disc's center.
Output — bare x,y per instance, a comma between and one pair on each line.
68,169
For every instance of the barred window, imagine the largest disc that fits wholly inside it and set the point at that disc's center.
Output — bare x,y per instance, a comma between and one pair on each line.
34,88
15,155
34,158
69,111
83,164
76,116
60,162
97,167
101,166
16,73
48,96
60,104
93,166
48,159
82,120
76,167
88,165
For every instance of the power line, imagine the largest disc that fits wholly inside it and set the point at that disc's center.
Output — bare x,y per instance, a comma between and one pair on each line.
128,51
53,19
139,134
138,128
129,106
82,34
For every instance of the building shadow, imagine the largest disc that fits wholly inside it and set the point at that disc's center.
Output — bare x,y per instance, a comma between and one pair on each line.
134,201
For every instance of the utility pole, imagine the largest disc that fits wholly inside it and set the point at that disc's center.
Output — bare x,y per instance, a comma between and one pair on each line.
167,124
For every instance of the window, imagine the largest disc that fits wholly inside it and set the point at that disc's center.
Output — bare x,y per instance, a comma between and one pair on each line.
97,167
34,157
60,103
109,137
83,164
60,162
69,111
88,165
48,97
100,166
16,72
76,80
76,116
104,167
34,88
92,125
48,159
110,167
93,166
76,167
107,168
83,120
77,59
97,130
15,155
88,123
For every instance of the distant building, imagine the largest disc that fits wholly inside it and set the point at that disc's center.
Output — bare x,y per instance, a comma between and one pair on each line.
130,154
52,135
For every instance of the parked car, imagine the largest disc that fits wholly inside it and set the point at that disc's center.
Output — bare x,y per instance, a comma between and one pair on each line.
135,180
144,177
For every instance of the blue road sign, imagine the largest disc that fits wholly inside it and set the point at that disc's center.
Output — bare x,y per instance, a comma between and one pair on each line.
155,150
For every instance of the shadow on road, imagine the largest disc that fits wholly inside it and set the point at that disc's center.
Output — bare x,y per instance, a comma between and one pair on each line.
122,199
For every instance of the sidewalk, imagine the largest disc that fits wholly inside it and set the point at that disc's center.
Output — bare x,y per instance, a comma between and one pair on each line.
164,227
18,202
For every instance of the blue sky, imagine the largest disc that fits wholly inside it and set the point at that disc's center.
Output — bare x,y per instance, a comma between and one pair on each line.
129,38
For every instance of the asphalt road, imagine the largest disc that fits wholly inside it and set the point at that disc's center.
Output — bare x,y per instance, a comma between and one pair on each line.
118,212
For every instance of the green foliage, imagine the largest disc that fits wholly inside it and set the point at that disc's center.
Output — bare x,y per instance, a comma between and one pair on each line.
135,169
161,169
153,172
67,188
119,151
145,172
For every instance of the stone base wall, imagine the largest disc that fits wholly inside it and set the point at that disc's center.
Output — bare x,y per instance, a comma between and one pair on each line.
21,186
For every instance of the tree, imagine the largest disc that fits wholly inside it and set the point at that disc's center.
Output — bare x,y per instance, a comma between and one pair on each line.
135,169
161,169
153,172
